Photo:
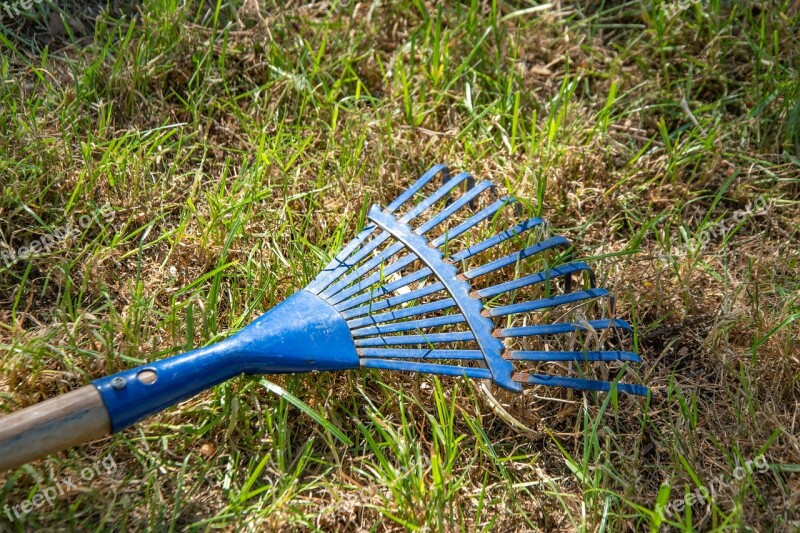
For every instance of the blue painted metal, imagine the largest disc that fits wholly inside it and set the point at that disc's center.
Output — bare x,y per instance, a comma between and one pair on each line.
430,338
471,222
539,247
376,262
406,312
439,194
453,208
544,303
339,262
565,327
539,277
582,384
372,292
548,356
411,353
378,305
409,325
459,292
350,262
419,184
428,368
497,239
301,334
383,302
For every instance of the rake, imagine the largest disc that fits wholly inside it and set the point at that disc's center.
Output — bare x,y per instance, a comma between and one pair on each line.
397,297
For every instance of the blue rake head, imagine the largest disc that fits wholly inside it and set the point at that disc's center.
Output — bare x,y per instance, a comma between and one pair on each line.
414,291
411,306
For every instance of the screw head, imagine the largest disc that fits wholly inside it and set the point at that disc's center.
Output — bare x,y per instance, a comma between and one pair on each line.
118,383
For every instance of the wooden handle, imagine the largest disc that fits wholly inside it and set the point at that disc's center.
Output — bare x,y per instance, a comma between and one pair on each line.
55,424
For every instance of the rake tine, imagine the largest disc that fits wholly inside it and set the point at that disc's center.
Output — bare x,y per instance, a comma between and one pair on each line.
544,303
362,270
539,247
579,383
407,312
473,221
436,243
431,338
453,207
497,239
437,195
552,356
378,305
367,283
329,272
428,368
470,185
564,327
409,325
351,261
539,277
397,353
397,247
345,264
373,293
419,184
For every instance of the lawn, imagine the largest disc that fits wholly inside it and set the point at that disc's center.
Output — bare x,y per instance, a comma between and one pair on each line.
199,162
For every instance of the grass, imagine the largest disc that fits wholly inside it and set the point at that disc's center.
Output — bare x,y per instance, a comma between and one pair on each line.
238,146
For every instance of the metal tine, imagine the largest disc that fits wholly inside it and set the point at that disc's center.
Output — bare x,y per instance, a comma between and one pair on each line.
397,247
348,263
445,189
466,198
473,221
408,325
544,303
354,259
365,267
552,356
497,239
532,279
427,368
417,185
411,353
563,327
406,312
369,281
485,373
329,272
578,383
532,250
431,224
470,185
379,305
342,303
340,258
431,338
539,277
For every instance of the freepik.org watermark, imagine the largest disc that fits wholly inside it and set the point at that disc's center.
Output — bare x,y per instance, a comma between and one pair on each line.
46,242
703,493
696,244
59,488
15,8
672,9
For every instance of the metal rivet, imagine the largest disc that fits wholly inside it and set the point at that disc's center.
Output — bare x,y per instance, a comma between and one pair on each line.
118,383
